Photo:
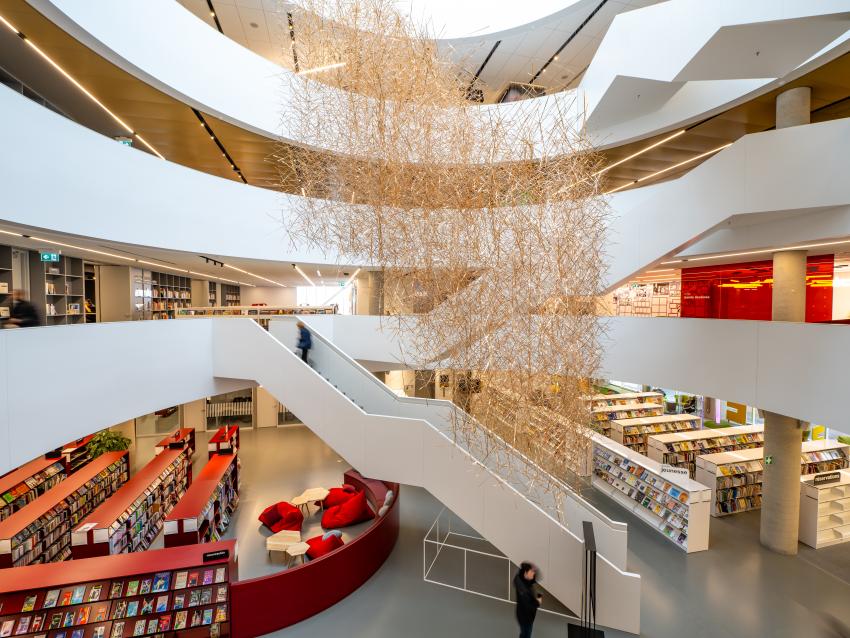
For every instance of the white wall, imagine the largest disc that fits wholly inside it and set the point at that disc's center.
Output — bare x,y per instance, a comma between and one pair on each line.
269,295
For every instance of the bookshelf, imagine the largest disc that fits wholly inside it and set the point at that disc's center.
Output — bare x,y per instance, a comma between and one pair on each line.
825,511
602,417
57,289
22,486
682,448
174,592
90,292
676,506
623,398
181,437
205,510
634,432
132,517
75,455
230,295
168,294
6,283
225,439
735,477
41,531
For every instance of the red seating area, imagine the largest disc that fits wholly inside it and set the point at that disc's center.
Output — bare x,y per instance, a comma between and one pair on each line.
352,511
281,516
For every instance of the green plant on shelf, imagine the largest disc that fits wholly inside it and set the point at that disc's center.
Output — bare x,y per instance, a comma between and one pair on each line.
107,441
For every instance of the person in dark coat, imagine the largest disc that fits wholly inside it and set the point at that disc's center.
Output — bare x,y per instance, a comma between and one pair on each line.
305,341
527,598
22,314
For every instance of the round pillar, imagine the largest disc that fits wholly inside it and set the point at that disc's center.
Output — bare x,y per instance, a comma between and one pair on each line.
780,506
789,285
794,107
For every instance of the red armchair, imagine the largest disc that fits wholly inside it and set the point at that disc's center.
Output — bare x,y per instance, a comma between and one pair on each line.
281,516
354,510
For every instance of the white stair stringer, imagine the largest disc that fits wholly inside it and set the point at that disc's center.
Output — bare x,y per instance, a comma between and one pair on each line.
414,451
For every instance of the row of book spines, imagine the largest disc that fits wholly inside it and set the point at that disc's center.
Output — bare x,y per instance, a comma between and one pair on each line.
740,504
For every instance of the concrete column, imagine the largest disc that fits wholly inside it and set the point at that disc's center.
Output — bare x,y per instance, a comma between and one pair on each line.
794,107
789,285
780,507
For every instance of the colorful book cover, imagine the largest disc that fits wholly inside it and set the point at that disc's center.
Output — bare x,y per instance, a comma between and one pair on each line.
161,582
208,616
69,619
193,579
196,618
180,580
161,604
83,615
59,634
132,608
94,593
117,587
195,598
221,613
206,596
41,636
220,574
179,601
55,621
139,629
221,593
146,586
180,620
120,609
147,606
29,604
208,577
117,629
100,614
132,588
23,625
99,631
165,622
66,598
152,625
51,599
37,622
77,633
78,594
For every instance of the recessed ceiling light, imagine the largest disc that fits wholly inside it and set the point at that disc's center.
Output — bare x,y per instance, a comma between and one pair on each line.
254,24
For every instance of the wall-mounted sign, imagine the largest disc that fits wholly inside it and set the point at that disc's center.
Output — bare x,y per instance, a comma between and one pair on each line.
826,478
50,257
768,460
126,141
672,470
216,555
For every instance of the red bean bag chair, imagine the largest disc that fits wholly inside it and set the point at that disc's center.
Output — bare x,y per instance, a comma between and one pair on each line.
281,516
354,510
338,496
321,545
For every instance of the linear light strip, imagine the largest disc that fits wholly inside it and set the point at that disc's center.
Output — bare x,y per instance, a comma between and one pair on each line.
759,252
73,81
208,129
303,274
251,274
670,168
641,152
321,69
343,287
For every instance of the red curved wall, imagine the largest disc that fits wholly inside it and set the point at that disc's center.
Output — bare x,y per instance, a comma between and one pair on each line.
256,604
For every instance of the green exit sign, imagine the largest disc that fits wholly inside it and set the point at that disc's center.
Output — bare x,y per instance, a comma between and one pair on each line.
53,257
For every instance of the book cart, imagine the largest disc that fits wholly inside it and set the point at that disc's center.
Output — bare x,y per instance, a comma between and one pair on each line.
634,432
676,506
182,591
682,448
205,510
41,531
225,439
132,517
735,477
22,486
182,437
825,509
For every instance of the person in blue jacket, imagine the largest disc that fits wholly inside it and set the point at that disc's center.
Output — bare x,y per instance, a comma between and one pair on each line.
305,341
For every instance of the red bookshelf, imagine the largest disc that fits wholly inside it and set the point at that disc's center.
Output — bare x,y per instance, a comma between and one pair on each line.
226,438
132,517
182,591
76,454
41,531
22,486
204,512
186,436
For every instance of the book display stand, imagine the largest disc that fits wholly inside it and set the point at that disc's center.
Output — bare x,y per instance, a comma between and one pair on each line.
41,531
735,477
180,437
604,408
675,505
205,510
132,517
225,440
184,592
21,487
825,510
76,454
682,448
633,433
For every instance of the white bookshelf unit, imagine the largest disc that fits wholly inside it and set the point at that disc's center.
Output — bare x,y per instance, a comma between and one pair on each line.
605,408
633,432
825,511
676,506
735,477
682,448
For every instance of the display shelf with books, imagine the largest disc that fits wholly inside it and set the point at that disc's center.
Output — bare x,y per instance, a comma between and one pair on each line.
624,398
76,454
181,437
230,295
21,487
601,417
205,510
673,504
132,517
633,432
41,531
825,509
682,448
735,477
224,440
183,592
57,288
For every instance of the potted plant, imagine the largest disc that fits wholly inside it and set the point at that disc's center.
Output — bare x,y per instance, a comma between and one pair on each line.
107,441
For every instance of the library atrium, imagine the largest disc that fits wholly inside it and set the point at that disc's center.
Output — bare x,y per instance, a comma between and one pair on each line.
383,318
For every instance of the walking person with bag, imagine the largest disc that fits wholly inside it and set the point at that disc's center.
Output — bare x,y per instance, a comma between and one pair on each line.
527,598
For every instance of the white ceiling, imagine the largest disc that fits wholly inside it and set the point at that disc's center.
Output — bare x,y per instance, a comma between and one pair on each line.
523,50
